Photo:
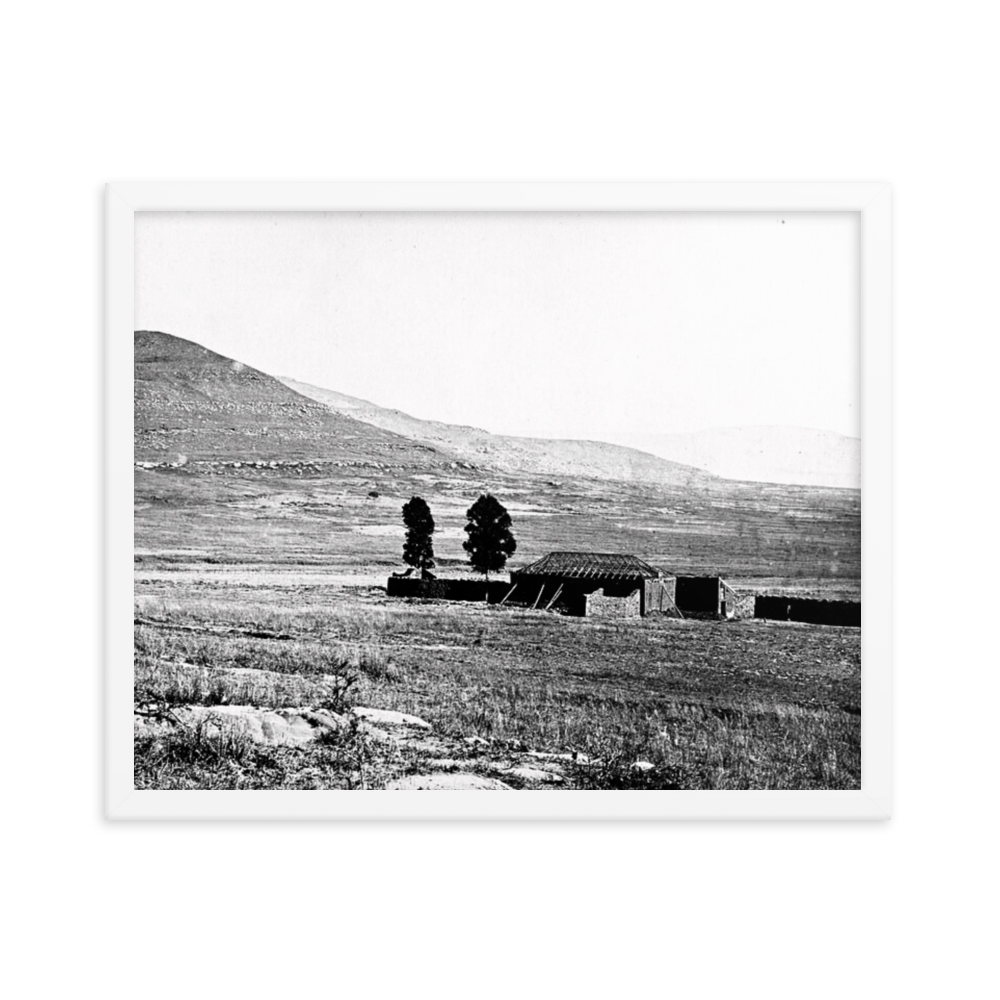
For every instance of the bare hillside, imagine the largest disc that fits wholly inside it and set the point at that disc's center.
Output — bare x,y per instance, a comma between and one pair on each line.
193,403
593,459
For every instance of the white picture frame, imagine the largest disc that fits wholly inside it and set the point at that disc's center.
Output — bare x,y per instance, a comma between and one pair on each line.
871,201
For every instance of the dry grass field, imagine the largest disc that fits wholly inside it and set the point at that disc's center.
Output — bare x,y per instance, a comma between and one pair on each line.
348,521
255,590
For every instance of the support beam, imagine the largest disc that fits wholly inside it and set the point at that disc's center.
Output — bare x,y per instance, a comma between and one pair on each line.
555,597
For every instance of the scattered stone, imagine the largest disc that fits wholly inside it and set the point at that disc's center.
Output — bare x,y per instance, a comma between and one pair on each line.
534,774
286,726
446,783
326,720
383,717
445,764
379,735
575,757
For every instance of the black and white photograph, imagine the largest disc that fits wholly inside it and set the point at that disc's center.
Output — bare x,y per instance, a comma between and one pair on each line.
497,501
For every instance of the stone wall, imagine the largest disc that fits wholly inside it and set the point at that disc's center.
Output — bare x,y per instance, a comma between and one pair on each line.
601,606
448,590
801,609
738,604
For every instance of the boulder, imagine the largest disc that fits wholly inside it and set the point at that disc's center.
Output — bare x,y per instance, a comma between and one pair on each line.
534,774
285,726
383,717
453,782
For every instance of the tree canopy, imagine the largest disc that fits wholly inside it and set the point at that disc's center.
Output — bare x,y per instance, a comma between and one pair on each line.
418,549
490,540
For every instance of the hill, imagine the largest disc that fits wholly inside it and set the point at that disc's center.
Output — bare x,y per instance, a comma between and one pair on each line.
191,403
790,455
539,456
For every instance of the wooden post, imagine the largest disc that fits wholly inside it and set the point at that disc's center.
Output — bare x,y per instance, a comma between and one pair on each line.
673,604
555,597
538,598
505,596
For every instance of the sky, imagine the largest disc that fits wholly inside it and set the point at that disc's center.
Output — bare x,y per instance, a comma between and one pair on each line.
582,325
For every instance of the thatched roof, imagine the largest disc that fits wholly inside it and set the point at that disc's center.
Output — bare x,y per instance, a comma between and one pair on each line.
591,566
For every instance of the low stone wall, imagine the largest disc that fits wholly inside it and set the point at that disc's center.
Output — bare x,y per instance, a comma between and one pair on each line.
737,604
601,606
815,612
448,590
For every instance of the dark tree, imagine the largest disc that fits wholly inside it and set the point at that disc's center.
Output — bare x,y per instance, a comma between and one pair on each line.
490,541
418,549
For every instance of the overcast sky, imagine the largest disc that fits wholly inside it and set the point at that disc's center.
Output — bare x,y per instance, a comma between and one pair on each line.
557,325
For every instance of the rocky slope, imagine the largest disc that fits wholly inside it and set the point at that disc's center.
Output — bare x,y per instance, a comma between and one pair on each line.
401,752
193,404
592,459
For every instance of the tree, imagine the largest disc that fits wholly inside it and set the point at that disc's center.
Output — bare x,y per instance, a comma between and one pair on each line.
490,541
418,549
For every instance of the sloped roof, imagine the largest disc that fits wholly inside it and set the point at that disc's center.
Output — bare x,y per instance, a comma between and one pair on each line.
591,566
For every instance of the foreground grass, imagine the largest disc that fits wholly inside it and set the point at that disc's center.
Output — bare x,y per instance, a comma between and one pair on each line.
723,706
217,754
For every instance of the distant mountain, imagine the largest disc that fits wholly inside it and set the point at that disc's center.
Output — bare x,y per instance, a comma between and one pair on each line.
763,454
594,459
193,403
190,402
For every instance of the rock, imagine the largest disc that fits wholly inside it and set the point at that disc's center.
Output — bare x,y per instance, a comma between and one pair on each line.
374,733
383,717
285,726
446,783
575,757
642,765
326,720
534,774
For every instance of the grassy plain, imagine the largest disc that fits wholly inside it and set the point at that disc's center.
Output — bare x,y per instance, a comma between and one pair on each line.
269,590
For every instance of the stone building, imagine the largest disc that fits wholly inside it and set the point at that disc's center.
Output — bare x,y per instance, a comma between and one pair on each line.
593,583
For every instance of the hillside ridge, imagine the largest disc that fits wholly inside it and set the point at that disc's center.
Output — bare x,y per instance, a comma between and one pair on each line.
508,453
193,403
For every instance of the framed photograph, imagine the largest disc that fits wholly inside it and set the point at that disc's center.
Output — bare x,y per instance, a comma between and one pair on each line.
453,488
